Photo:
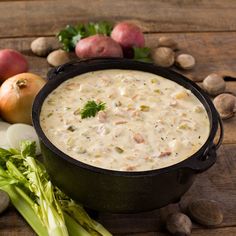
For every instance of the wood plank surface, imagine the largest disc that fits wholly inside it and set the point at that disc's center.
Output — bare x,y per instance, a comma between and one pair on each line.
12,224
214,52
206,29
231,231
30,18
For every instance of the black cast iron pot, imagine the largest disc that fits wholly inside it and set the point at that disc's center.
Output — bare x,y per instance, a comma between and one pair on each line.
120,191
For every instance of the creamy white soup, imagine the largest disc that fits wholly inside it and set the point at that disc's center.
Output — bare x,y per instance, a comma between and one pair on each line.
149,122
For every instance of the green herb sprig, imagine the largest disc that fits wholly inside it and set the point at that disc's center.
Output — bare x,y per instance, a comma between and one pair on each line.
142,54
91,108
72,34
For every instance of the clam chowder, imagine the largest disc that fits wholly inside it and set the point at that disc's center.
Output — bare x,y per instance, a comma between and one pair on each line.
147,122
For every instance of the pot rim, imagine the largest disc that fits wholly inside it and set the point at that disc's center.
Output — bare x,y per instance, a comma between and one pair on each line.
121,63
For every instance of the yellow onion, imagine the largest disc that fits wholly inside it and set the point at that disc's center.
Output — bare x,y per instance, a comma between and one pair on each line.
17,95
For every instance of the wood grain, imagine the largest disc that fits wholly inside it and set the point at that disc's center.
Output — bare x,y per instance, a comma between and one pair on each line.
12,224
231,231
30,18
214,52
206,29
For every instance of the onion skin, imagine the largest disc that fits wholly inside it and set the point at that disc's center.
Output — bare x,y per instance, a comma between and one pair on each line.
11,63
17,95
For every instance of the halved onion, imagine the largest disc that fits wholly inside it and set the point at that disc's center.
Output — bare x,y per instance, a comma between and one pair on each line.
19,132
3,135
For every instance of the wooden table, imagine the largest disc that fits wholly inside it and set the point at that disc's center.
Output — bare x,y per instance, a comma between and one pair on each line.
205,29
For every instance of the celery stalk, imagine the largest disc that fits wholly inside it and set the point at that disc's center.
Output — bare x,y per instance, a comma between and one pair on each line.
80,215
24,205
45,207
51,213
74,229
101,229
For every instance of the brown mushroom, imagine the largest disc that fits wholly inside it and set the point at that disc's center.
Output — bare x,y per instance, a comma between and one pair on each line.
179,224
163,56
185,61
214,84
225,104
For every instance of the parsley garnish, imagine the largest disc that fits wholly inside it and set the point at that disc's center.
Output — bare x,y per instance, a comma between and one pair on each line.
91,108
72,34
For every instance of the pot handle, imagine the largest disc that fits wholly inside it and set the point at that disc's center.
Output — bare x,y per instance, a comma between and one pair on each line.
220,140
59,69
73,63
209,156
205,162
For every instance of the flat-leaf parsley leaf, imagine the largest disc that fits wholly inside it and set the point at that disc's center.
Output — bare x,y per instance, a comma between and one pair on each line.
91,108
71,35
142,54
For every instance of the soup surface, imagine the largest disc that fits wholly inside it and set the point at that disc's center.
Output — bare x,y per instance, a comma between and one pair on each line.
149,122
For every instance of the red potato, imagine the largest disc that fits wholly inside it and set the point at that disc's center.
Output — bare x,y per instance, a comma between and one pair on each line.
11,63
128,35
98,46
